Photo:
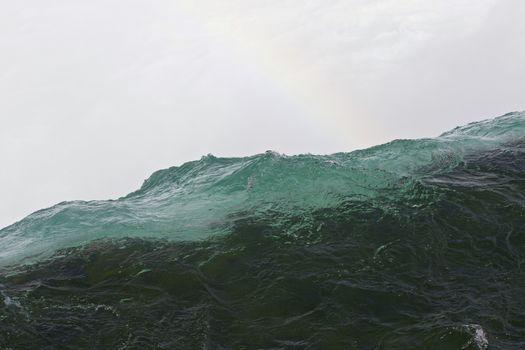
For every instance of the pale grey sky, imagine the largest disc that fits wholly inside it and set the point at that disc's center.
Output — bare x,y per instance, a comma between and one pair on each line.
96,95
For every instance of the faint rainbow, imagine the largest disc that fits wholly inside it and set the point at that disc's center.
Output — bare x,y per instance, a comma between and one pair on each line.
327,105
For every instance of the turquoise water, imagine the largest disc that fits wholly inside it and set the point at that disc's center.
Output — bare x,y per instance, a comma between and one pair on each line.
411,244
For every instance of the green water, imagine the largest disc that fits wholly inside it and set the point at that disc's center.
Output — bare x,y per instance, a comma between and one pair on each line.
415,244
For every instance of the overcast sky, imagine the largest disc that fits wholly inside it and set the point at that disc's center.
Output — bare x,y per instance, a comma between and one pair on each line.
96,95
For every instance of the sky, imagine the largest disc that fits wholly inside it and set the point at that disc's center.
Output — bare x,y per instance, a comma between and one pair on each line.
96,95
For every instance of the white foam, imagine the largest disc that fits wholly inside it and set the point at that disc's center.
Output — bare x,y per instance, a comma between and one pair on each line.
479,337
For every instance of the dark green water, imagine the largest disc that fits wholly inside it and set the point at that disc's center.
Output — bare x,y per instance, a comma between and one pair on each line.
416,244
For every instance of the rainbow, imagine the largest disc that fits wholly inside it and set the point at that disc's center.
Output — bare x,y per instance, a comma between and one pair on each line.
288,69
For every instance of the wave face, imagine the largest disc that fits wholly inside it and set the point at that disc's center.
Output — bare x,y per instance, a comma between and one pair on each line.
411,244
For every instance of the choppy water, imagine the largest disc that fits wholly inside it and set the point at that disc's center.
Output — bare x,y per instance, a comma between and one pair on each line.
415,244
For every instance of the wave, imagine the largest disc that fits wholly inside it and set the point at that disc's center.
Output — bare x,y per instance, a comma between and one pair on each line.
199,199
410,244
